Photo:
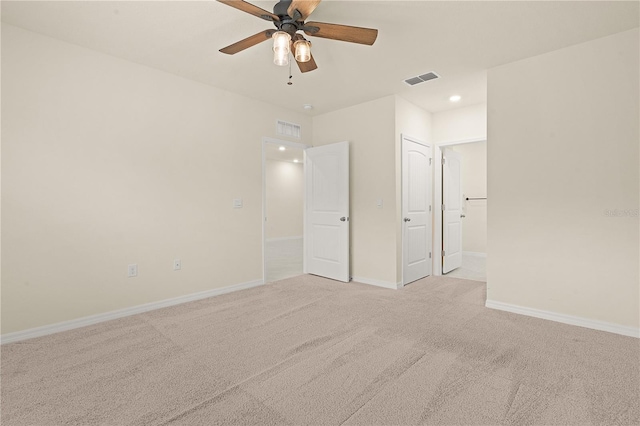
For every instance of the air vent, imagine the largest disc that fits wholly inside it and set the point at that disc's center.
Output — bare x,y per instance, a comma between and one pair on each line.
421,78
285,128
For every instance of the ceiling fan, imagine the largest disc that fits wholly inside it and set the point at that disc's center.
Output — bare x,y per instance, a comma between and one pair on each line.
289,18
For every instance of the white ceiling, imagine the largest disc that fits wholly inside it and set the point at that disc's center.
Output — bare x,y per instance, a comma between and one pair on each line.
458,40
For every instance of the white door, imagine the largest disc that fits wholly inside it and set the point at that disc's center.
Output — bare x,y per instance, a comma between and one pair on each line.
326,231
451,211
416,211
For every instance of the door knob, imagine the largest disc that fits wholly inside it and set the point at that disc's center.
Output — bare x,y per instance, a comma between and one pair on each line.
344,219
407,219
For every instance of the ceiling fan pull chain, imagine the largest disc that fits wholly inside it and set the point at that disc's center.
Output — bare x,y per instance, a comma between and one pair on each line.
289,83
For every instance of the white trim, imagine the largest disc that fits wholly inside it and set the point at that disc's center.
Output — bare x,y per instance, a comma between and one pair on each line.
565,319
461,141
474,254
120,313
298,145
414,140
272,240
377,283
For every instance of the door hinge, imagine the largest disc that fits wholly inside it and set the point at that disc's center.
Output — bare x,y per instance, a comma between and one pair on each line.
429,207
429,255
443,207
443,161
443,253
429,161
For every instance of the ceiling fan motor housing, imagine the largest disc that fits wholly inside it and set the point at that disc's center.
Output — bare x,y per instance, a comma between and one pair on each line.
281,8
286,23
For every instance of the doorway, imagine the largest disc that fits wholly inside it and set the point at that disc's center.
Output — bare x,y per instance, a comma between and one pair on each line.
461,222
283,209
305,210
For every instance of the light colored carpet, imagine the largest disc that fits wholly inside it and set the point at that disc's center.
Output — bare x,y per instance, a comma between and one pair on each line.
313,351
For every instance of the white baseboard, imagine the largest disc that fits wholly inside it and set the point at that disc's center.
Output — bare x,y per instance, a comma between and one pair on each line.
474,254
106,316
271,240
565,319
377,283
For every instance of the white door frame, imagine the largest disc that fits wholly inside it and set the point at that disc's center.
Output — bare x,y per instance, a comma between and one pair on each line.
404,137
297,145
437,203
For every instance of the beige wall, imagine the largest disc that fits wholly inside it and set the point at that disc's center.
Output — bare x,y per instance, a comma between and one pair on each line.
415,122
107,163
460,124
474,184
284,198
370,129
563,132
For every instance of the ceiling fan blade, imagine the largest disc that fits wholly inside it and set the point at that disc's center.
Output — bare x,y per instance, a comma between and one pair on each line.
305,7
307,66
341,32
247,42
253,10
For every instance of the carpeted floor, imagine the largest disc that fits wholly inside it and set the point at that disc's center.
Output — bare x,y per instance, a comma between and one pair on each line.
313,351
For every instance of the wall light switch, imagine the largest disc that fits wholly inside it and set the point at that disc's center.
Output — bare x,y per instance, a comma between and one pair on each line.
379,203
237,203
132,270
177,265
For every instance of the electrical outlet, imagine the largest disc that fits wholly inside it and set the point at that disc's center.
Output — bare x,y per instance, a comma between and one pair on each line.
177,265
132,270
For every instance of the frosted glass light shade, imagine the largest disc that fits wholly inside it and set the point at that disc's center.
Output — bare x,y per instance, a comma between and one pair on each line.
281,48
281,58
281,41
303,50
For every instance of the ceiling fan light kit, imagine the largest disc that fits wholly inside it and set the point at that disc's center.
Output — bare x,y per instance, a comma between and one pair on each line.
281,48
302,49
289,19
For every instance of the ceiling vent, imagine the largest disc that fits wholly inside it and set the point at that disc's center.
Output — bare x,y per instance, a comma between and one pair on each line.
421,78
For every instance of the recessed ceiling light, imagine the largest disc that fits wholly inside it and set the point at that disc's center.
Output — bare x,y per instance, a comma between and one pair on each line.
295,160
455,98
282,148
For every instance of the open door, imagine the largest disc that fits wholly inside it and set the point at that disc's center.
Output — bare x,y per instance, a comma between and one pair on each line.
416,211
326,231
451,211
